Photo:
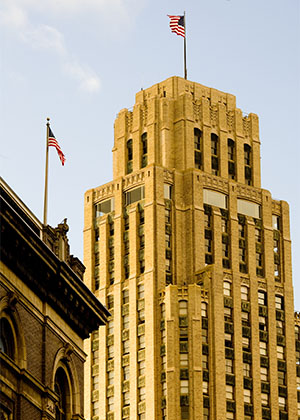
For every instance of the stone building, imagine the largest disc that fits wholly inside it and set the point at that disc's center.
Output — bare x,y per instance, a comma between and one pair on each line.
193,260
46,312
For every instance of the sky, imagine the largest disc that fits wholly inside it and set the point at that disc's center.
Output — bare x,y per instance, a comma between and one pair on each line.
79,62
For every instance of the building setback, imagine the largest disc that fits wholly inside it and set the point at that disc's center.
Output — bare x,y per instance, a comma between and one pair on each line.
46,311
193,260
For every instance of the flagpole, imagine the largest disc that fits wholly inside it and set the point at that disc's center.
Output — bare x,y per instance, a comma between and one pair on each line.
185,69
46,174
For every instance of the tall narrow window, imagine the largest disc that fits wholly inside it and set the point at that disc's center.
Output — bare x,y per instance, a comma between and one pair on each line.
144,150
129,156
62,389
197,148
214,154
231,158
247,162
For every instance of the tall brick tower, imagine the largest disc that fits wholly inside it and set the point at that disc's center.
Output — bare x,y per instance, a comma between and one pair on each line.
193,260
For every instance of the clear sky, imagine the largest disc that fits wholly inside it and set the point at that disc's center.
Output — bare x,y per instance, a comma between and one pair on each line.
81,61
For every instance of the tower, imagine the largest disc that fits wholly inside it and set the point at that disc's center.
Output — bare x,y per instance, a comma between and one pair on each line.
192,258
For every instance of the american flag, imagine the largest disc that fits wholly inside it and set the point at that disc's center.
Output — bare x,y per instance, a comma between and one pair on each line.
53,142
177,25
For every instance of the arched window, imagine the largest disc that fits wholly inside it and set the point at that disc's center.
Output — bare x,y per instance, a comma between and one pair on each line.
7,341
62,389
214,154
231,158
183,307
129,156
144,150
197,148
247,162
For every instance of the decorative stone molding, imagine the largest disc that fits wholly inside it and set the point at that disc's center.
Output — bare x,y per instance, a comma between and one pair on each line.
262,285
135,179
276,207
245,281
197,110
104,192
244,191
246,126
168,176
129,118
214,115
230,121
215,183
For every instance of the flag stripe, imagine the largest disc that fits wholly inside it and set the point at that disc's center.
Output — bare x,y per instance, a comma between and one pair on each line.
177,25
54,143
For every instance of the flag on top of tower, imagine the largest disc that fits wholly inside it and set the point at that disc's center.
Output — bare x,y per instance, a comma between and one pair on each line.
53,142
177,25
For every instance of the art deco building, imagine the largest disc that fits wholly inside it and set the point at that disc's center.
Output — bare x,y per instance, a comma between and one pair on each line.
193,260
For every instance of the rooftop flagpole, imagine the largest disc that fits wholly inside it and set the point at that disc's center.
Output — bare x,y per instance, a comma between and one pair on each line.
46,174
185,69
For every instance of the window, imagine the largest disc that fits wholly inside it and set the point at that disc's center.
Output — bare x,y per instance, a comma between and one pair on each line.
263,348
110,377
125,295
263,373
204,309
262,323
245,318
279,302
142,393
183,307
204,361
141,342
281,378
214,198
246,343
205,387
110,327
134,195
125,322
228,314
244,293
276,222
229,392
126,398
280,327
110,352
247,370
282,403
280,352
228,340
184,387
247,162
184,360
110,301
62,389
141,291
110,403
247,396
126,346
264,399
168,191
258,235
141,367
104,207
197,148
231,158
204,336
144,149
262,298
248,208
227,288
229,365
7,343
214,154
